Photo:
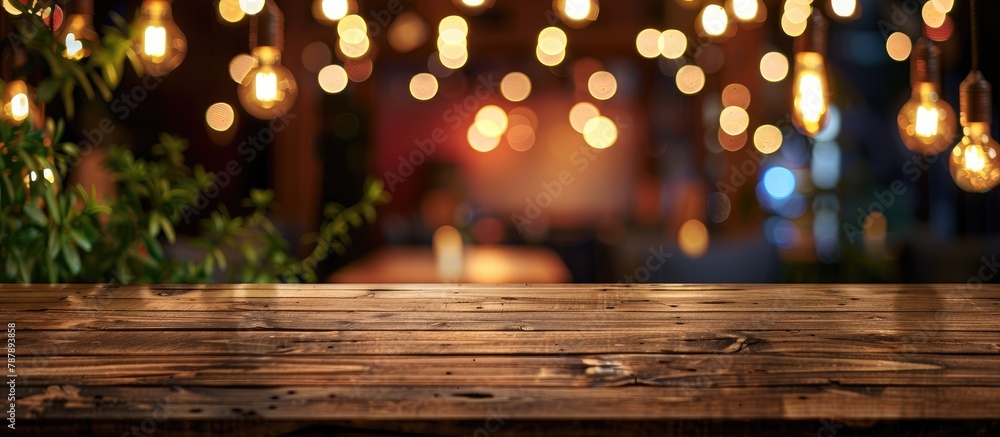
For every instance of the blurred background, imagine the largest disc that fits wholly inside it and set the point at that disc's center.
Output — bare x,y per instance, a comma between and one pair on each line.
671,196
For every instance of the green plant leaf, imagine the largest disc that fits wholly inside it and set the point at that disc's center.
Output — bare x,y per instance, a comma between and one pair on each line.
36,215
80,240
72,257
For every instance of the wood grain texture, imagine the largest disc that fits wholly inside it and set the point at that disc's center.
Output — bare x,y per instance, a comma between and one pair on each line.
322,353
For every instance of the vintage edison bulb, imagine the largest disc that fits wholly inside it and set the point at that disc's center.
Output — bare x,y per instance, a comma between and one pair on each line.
809,93
268,90
926,122
160,44
78,36
974,160
17,105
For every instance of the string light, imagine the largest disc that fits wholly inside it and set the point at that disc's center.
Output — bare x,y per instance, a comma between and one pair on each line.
809,92
160,44
268,90
926,122
974,160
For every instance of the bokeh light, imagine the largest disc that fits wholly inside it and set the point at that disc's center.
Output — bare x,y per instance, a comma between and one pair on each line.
333,78
943,6
774,67
767,139
229,10
552,40
844,8
898,46
736,94
647,42
931,15
745,10
732,143
407,32
672,43
520,136
693,239
714,20
491,121
359,70
600,132
779,182
480,142
515,86
220,116
602,85
423,86
690,79
734,120
580,114
240,65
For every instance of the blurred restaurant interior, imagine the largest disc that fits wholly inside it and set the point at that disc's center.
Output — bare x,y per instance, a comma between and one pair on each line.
630,141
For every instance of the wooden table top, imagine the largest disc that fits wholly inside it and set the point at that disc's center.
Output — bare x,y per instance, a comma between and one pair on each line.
451,352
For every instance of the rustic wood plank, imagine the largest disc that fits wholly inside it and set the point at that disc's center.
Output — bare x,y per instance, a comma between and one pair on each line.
921,321
263,342
481,401
313,353
523,371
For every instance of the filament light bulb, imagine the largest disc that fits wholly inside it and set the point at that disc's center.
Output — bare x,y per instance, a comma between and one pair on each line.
926,122
161,45
269,89
810,97
78,36
19,107
17,104
975,160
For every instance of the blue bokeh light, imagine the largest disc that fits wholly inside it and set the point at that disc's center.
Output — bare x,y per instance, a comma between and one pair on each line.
779,182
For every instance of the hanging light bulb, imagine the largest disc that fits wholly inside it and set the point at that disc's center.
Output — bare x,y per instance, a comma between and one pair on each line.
926,122
18,104
809,92
975,160
77,34
974,163
268,90
160,43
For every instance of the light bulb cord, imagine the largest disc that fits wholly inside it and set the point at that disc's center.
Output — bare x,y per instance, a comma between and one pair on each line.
975,34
